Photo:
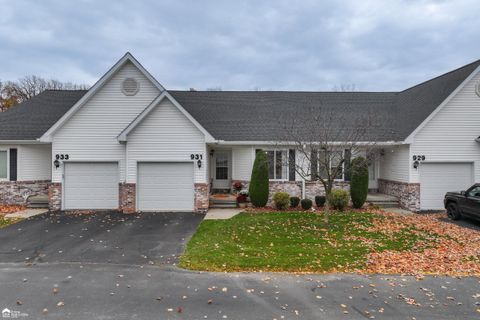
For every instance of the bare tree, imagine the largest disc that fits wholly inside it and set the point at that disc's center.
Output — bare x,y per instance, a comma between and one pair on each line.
325,138
13,92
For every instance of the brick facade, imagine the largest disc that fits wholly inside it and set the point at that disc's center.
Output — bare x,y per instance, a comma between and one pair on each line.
408,194
127,197
201,197
55,196
17,192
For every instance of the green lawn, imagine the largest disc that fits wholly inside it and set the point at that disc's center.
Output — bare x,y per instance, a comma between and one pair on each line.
6,222
296,241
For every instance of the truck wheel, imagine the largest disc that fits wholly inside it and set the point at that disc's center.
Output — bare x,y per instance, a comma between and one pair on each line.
452,211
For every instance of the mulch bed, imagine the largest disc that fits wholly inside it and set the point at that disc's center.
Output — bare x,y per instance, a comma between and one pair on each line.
10,208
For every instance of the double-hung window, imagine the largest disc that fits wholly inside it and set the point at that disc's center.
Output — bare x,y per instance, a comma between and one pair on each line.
3,165
330,160
277,164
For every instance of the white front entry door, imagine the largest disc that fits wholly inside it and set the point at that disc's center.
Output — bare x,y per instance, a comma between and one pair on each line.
221,169
372,172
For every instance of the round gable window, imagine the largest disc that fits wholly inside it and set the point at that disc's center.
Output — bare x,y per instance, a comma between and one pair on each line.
130,87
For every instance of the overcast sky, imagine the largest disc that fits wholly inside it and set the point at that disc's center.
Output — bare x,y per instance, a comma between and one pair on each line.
242,45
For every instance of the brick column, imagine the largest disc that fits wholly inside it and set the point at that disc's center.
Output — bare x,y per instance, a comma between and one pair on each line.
201,197
55,196
408,194
127,197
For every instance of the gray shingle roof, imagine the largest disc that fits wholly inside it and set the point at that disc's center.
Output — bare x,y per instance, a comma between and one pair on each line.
261,115
32,118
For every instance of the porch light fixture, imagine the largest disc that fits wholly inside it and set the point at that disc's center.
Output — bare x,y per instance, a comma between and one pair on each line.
199,163
416,163
56,163
212,152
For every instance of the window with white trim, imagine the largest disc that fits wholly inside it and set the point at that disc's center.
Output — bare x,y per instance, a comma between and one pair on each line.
3,164
277,164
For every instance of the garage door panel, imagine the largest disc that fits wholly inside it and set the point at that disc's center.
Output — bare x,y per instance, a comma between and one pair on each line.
165,186
436,179
90,185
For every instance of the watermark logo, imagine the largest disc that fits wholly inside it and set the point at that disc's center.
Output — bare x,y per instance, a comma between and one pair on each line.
12,314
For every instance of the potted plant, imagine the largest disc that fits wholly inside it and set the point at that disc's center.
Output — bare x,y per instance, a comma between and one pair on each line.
237,186
242,199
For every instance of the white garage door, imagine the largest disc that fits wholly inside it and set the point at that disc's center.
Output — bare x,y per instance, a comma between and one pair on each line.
438,178
90,185
166,186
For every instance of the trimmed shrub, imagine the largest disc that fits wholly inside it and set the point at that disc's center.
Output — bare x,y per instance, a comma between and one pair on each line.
306,204
338,199
359,181
294,202
258,189
320,201
281,200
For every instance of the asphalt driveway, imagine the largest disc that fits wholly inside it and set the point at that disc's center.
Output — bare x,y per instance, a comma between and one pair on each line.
148,238
115,266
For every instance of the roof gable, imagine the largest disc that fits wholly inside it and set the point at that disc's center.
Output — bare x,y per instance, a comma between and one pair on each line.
123,136
47,136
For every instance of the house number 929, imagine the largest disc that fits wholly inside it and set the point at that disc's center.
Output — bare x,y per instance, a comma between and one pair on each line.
196,156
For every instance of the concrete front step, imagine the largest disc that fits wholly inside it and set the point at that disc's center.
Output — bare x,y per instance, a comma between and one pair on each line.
37,202
37,205
223,205
386,204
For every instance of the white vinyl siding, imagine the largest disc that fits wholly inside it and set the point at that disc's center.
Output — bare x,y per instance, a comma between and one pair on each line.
395,163
166,134
436,179
91,133
242,162
165,186
449,135
34,161
90,185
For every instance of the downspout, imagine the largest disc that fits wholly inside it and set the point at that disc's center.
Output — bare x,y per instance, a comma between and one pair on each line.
303,188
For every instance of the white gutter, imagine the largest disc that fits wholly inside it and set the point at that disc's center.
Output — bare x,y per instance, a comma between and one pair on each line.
22,142
269,143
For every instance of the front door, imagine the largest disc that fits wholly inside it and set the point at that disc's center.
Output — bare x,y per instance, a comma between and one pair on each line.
221,171
372,172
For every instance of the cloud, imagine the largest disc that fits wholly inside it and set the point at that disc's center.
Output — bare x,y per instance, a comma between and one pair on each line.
242,45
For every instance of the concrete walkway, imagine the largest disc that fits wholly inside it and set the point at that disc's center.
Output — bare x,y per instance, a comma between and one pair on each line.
27,213
219,214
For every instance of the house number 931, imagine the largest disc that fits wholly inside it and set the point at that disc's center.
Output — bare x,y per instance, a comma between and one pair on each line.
196,156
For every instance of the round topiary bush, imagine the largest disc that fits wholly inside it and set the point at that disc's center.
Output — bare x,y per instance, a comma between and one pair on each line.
306,204
281,200
294,202
359,181
320,201
338,199
258,189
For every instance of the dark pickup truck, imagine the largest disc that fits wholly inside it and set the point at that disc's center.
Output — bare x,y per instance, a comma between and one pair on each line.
463,203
